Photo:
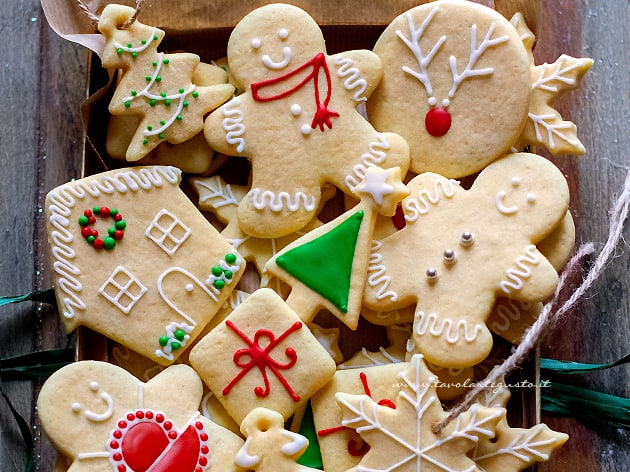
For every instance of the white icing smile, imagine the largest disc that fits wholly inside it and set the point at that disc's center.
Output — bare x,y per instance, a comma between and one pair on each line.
506,210
275,65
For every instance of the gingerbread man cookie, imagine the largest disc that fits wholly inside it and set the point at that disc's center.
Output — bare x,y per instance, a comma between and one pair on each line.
461,249
103,418
297,119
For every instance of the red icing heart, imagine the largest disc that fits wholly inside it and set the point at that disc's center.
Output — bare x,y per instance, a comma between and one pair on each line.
146,440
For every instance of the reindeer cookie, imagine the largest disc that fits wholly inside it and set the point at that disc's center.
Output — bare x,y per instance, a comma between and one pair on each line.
456,85
461,249
103,419
297,119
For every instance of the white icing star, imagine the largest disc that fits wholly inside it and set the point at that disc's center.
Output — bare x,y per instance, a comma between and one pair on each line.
375,184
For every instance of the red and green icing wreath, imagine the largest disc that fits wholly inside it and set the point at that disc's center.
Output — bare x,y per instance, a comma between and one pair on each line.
114,233
147,440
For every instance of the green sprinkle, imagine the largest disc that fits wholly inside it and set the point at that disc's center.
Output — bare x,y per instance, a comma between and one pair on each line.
195,94
111,231
180,334
185,104
179,118
154,63
119,51
113,211
145,141
161,135
96,210
218,284
228,274
162,122
163,94
134,54
120,224
109,243
217,271
166,61
152,102
127,103
167,102
83,220
148,77
90,239
129,45
150,128
144,41
181,90
163,340
134,93
230,258
158,78
175,345
155,38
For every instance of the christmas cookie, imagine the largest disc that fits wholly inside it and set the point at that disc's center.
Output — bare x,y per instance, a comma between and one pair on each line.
125,248
456,85
394,434
156,87
297,120
102,418
262,354
461,249
269,447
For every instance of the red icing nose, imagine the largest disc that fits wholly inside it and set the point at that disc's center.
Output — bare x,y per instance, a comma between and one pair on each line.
437,122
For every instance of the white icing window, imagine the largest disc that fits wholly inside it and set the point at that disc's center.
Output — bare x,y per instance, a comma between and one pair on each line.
167,231
123,289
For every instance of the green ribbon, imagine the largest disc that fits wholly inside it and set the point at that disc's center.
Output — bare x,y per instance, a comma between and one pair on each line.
43,296
593,408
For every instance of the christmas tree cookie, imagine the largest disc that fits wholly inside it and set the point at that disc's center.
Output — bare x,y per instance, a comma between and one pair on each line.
297,120
156,87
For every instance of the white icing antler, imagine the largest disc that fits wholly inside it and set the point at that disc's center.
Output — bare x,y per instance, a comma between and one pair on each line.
413,44
475,53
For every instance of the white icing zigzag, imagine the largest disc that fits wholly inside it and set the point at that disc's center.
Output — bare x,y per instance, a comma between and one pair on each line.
352,77
424,199
62,202
262,199
233,124
375,156
377,274
451,331
515,275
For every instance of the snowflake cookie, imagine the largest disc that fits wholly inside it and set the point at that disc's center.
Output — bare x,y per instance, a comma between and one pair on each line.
268,446
155,86
103,418
125,248
262,354
461,249
402,438
297,120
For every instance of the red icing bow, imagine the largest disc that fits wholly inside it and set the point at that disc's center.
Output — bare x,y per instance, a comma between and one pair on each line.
323,113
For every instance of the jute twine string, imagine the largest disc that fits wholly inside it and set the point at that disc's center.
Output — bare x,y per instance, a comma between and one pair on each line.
553,312
94,17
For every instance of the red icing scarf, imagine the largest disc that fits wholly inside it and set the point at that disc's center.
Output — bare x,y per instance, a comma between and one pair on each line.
323,113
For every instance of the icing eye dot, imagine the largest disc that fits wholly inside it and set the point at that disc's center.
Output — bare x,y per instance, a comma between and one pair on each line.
94,386
531,197
466,238
306,129
76,407
255,43
432,101
189,287
446,102
296,109
516,182
283,33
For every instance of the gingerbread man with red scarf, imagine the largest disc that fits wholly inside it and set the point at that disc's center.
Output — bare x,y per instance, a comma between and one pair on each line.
297,120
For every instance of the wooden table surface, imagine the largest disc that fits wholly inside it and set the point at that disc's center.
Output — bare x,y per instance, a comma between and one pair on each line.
43,82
